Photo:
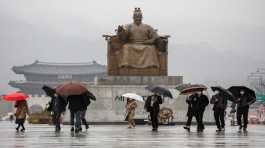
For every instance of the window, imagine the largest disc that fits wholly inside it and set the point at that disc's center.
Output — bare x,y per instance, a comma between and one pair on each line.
64,76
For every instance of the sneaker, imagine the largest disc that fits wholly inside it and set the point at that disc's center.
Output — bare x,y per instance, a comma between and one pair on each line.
245,129
223,129
17,129
22,130
154,129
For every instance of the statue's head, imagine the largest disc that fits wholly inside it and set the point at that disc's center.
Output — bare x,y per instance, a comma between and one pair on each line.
137,16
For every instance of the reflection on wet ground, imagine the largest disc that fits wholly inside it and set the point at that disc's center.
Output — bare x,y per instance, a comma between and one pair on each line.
119,136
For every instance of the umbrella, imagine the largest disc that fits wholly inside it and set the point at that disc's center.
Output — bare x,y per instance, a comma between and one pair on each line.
160,90
235,90
15,96
90,95
71,88
186,89
133,96
49,90
227,94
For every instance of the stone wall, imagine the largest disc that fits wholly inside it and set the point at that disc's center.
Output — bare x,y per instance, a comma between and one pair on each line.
107,109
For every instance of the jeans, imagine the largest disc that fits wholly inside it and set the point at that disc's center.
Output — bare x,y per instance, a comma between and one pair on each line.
56,120
83,118
75,118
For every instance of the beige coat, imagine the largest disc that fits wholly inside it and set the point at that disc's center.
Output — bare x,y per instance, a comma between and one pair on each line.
22,109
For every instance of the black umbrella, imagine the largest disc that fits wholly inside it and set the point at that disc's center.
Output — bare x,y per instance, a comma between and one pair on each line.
90,95
49,90
160,90
186,89
235,90
227,94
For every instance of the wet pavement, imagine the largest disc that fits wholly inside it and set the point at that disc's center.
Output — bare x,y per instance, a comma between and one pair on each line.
118,136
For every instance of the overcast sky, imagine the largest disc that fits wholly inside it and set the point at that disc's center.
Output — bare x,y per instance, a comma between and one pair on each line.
212,41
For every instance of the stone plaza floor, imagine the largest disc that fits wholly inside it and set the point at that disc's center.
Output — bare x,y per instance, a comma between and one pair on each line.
118,136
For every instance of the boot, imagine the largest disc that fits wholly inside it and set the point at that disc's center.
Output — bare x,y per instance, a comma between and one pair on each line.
72,129
17,129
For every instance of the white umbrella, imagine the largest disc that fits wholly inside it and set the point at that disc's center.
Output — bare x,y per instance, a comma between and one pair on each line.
133,96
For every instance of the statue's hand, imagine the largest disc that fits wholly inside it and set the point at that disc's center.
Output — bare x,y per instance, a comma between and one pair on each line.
148,42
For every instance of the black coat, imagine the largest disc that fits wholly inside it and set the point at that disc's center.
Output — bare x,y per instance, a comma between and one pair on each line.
219,102
196,104
76,103
245,101
156,104
86,102
57,104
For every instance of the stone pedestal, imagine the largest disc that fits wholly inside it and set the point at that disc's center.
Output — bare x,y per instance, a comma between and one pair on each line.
141,80
107,109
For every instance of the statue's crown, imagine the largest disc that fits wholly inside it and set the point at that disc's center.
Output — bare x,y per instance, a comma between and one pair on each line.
137,12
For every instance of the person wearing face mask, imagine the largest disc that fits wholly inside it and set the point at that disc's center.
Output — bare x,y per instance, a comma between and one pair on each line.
219,107
197,104
192,103
243,103
152,105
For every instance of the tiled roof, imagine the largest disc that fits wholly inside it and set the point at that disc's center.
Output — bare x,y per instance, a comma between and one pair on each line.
60,68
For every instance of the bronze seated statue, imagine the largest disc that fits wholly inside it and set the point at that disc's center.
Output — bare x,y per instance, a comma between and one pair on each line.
137,50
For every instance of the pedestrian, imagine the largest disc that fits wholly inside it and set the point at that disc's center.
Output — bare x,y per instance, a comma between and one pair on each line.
192,102
196,106
84,110
219,107
243,103
152,105
21,112
58,108
76,106
203,103
130,109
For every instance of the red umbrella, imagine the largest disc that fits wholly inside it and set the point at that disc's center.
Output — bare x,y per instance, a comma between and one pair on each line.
15,96
71,88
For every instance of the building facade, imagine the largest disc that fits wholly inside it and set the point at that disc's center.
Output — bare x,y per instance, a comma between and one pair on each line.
39,73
